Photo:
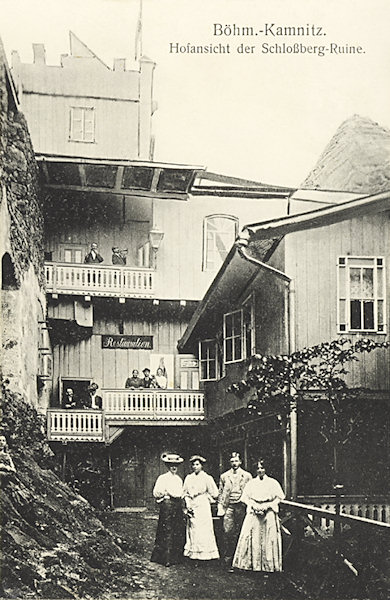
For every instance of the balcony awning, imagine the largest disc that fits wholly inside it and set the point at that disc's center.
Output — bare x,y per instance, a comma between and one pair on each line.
119,177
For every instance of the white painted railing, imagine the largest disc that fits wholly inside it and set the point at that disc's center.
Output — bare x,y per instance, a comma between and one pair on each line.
375,508
153,405
75,425
97,280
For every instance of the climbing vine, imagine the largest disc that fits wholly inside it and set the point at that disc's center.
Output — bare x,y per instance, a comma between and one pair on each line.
275,383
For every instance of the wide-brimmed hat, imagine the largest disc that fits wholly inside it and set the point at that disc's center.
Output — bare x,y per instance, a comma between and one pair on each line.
171,458
195,457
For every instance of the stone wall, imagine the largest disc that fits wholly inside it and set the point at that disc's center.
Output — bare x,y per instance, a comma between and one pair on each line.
21,247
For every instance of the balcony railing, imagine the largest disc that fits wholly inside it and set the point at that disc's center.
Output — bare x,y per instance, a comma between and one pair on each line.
125,407
75,425
153,405
97,280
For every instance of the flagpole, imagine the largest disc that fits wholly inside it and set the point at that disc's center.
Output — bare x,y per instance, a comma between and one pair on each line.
138,33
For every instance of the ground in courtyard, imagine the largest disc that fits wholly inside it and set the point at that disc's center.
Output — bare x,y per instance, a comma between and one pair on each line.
209,580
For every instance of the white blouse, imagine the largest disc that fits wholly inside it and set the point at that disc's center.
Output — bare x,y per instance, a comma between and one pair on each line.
196,484
169,484
259,490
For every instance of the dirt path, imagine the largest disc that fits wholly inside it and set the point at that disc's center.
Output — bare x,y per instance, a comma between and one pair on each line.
185,581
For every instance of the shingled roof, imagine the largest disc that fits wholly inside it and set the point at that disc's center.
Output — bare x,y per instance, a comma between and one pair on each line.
357,159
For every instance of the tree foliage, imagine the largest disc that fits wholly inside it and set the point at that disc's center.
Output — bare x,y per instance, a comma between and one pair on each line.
274,383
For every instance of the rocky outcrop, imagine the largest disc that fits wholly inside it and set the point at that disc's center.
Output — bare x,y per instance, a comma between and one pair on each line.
53,543
19,176
357,159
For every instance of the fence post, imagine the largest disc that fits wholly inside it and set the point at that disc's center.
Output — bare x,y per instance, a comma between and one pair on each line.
337,524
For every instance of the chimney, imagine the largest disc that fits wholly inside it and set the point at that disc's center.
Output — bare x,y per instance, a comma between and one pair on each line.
39,54
119,64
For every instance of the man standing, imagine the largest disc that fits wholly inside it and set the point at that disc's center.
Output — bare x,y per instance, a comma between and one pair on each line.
231,486
118,256
93,256
69,400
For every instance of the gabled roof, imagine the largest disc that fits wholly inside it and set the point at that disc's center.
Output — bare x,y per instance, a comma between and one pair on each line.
319,217
256,245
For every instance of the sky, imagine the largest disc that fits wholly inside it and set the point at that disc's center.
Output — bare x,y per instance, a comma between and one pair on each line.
264,116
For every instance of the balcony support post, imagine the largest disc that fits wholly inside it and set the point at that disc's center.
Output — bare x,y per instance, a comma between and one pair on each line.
111,488
63,472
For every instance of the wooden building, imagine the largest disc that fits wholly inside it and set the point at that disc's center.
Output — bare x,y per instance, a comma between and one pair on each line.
176,224
288,284
85,108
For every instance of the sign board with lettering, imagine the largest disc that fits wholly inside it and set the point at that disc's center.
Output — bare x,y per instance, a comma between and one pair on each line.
189,363
127,342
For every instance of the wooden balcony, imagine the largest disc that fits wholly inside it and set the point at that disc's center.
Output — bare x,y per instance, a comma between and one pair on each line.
75,425
125,407
97,280
163,407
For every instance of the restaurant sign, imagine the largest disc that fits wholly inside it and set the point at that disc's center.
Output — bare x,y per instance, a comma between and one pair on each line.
127,342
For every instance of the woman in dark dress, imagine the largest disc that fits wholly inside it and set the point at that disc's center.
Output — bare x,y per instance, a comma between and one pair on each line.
170,535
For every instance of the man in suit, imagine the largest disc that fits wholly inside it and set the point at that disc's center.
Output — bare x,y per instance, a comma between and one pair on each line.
93,255
231,486
118,256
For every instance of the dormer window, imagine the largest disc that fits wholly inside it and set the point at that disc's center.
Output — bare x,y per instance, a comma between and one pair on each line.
82,124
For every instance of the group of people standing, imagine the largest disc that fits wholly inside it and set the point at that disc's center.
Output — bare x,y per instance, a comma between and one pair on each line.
248,506
89,400
148,380
93,257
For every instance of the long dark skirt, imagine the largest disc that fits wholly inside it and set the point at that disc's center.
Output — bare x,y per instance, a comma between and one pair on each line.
170,535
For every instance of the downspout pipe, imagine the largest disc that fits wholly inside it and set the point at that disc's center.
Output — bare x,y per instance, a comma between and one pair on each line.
241,245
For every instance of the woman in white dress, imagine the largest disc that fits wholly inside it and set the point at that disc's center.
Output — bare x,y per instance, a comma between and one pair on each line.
259,546
199,492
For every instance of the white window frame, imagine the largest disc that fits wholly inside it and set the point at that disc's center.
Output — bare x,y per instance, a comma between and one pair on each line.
344,264
241,336
73,137
249,302
205,231
208,361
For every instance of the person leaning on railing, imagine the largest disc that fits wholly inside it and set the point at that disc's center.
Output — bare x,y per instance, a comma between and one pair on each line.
93,255
135,381
69,400
118,256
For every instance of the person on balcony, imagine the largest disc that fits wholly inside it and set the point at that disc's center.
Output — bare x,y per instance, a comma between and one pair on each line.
148,381
93,255
69,400
93,401
161,379
135,381
170,534
230,505
259,546
199,492
118,256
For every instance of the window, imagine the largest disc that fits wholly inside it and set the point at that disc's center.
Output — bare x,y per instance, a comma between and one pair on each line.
233,348
361,293
219,233
82,124
208,364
